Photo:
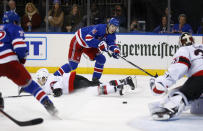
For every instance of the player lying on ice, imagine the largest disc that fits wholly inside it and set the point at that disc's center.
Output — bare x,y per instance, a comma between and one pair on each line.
188,61
69,82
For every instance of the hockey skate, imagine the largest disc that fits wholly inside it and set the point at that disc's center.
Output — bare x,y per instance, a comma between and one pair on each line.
129,81
164,114
49,106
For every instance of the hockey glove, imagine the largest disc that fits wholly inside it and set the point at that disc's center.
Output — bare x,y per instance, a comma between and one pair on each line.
116,53
157,88
57,92
22,61
102,46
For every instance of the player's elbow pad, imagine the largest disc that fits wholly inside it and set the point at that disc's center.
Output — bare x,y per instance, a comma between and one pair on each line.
21,52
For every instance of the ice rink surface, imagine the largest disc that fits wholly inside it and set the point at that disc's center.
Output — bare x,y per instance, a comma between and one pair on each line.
83,111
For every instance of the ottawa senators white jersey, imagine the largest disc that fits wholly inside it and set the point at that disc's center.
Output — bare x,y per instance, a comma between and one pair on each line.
188,61
65,82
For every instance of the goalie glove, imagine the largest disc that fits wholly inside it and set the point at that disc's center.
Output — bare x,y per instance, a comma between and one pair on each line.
102,46
116,53
157,87
57,92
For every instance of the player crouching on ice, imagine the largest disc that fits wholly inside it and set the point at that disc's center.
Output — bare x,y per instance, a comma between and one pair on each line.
188,61
69,82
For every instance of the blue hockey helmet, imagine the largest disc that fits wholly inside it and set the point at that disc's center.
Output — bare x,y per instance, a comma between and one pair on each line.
10,17
114,21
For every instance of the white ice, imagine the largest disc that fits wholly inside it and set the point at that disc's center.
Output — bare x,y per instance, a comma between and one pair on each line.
82,111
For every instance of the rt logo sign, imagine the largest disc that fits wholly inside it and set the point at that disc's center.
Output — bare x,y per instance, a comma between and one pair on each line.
37,47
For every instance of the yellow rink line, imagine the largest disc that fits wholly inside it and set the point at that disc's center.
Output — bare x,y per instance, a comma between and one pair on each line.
114,71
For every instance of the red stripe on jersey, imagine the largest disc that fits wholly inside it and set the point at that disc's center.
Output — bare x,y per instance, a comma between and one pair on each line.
71,81
116,82
89,37
157,91
81,38
18,43
2,34
60,71
199,73
7,54
185,61
98,70
105,90
40,95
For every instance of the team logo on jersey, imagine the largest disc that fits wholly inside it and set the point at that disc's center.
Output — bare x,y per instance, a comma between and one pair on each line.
21,33
2,34
88,37
94,31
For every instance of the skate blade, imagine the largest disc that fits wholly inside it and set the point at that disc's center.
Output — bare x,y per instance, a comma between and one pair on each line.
160,118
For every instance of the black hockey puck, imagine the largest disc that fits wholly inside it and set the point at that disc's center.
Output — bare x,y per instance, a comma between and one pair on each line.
125,102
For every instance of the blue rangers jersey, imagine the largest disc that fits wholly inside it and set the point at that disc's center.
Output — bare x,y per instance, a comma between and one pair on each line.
91,36
12,45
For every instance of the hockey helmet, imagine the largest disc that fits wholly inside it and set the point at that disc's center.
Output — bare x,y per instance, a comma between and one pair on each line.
114,21
42,75
10,17
186,39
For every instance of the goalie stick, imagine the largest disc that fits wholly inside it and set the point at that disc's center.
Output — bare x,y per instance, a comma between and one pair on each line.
134,65
23,123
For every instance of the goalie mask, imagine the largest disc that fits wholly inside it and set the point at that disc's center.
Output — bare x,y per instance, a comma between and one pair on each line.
186,39
42,76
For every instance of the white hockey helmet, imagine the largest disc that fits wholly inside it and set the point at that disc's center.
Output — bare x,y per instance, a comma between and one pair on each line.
186,39
42,75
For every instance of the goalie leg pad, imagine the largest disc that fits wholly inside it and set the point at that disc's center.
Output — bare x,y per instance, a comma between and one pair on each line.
170,107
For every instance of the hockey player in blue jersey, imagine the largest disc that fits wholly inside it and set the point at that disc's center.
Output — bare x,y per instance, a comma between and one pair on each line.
92,40
13,52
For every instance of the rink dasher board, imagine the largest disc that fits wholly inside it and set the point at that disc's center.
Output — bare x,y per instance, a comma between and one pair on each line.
151,52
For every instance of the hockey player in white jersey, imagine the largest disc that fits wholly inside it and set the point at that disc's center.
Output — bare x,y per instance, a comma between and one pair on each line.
188,61
69,82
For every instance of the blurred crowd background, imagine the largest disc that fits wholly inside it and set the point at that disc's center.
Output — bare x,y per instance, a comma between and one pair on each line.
135,16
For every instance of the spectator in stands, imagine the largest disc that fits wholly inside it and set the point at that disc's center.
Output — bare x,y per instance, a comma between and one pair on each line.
134,27
166,13
72,20
96,16
200,28
119,15
31,21
55,17
12,7
182,26
162,28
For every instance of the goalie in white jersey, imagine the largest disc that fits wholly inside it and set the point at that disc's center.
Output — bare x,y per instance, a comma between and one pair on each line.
68,82
188,61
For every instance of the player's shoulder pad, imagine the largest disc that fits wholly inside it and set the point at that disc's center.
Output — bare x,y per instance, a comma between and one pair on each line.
182,51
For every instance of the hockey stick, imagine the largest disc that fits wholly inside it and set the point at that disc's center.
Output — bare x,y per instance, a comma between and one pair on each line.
23,123
138,67
134,65
16,96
